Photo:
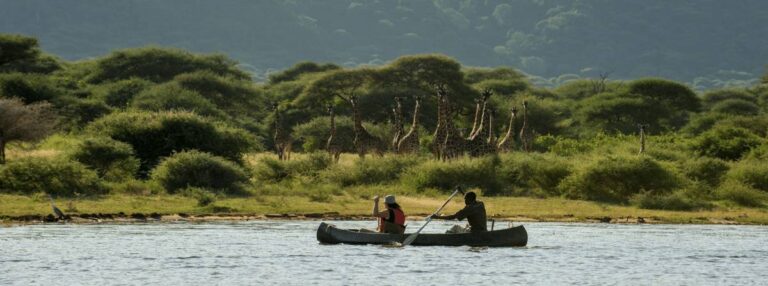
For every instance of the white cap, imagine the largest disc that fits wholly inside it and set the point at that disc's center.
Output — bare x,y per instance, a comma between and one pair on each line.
389,199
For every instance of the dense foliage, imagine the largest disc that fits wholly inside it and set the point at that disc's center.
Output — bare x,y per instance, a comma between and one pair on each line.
191,123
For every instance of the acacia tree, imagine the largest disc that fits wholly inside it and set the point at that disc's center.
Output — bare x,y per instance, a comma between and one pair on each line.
20,122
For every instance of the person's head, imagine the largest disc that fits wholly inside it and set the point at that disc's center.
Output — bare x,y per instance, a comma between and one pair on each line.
470,198
390,202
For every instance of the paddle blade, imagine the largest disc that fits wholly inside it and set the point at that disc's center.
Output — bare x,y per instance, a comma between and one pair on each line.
408,240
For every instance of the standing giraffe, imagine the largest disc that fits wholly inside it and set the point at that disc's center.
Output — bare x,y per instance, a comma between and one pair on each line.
525,135
642,137
332,145
410,142
281,138
490,136
364,141
453,144
506,143
438,137
480,113
398,113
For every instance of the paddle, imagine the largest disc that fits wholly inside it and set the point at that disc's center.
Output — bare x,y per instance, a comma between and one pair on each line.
413,236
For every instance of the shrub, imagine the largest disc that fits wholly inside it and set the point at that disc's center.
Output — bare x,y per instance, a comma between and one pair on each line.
741,194
159,65
270,170
28,87
57,177
469,172
112,160
703,169
155,135
79,112
315,133
371,170
751,173
714,97
676,201
725,143
533,171
736,107
616,179
199,169
173,97
120,93
203,196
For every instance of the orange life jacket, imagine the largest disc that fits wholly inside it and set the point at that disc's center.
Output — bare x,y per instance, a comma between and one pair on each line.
396,216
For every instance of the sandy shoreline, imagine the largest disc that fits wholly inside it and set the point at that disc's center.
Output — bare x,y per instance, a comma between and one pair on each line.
122,218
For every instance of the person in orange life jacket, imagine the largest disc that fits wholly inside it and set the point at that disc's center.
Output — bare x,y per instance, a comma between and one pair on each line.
391,220
473,211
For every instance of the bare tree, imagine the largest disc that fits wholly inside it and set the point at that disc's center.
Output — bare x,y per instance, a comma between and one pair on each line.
20,122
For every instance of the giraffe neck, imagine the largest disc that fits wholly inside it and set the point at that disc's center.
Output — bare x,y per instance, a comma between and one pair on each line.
511,125
415,114
333,124
474,122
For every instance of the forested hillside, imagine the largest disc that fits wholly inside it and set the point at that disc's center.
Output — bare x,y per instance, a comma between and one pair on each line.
706,43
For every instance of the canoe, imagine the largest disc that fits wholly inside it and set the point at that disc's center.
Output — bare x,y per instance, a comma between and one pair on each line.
515,236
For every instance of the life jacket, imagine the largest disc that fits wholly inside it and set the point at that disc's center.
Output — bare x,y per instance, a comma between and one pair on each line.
394,224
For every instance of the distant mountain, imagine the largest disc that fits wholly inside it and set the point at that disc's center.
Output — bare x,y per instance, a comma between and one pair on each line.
704,42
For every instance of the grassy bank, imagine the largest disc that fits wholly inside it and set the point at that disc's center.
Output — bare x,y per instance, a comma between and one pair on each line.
511,208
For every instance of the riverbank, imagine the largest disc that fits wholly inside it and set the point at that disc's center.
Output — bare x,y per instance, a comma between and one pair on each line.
169,208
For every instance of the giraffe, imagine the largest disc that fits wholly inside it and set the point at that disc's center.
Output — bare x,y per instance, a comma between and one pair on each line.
490,136
642,137
398,113
438,137
410,141
453,144
282,139
482,101
332,145
506,143
526,138
364,141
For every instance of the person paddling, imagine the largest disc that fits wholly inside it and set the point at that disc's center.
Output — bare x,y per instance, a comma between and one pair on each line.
473,211
391,220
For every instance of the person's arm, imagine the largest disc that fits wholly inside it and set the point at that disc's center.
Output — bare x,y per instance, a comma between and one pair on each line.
376,213
457,215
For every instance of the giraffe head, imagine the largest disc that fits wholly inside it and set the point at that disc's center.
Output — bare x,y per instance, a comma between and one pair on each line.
329,108
514,111
486,94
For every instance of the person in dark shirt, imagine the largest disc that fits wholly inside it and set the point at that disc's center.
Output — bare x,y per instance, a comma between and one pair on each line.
474,212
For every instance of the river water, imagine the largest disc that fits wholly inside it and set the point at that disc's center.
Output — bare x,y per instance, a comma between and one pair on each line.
287,253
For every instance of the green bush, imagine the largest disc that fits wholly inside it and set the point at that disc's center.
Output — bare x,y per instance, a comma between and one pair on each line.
173,97
371,170
28,87
57,177
725,143
155,135
159,65
751,173
199,169
736,107
469,172
315,133
741,194
120,93
703,169
616,179
676,201
533,171
112,159
271,170
79,112
203,196
714,97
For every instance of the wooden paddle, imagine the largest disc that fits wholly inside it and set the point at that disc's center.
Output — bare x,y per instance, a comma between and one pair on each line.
408,240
